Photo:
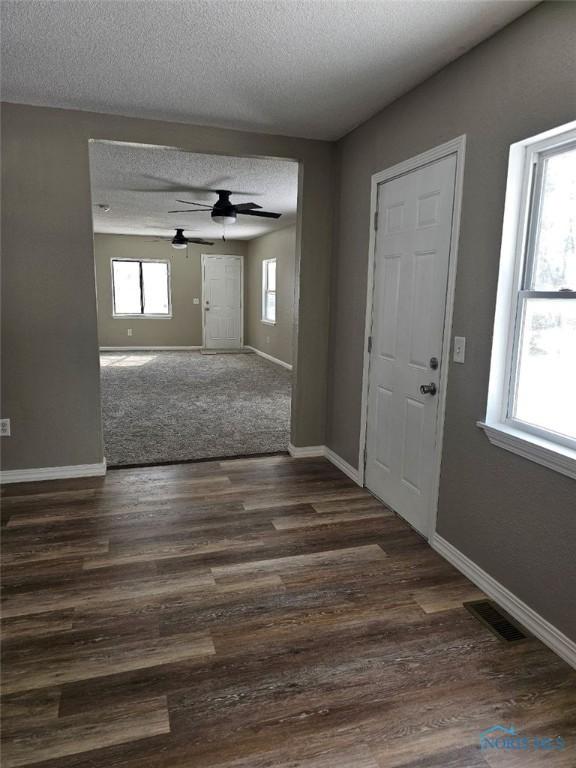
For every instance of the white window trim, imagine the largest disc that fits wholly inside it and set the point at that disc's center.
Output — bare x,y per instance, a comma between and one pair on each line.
263,317
510,434
141,315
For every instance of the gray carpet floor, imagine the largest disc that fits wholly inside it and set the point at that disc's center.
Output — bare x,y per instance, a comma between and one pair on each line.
177,406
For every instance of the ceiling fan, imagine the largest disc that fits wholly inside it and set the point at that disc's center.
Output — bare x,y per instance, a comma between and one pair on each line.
180,241
224,211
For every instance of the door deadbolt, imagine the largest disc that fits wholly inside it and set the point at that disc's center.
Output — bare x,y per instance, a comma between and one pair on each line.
434,363
428,389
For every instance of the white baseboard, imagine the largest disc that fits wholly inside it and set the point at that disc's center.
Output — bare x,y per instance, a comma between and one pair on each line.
269,357
306,452
342,465
52,473
310,451
534,623
147,349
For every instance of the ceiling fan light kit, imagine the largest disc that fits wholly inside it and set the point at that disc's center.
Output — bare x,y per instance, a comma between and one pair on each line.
179,241
222,219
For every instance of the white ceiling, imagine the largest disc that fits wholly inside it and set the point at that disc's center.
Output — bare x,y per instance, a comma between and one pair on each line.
141,184
313,68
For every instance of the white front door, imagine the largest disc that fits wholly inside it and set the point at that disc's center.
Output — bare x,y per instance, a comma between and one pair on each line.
409,305
222,299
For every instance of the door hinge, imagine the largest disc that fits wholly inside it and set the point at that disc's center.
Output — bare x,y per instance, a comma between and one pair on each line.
369,344
375,220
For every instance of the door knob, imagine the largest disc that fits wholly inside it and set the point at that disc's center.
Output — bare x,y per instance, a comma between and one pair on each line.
428,389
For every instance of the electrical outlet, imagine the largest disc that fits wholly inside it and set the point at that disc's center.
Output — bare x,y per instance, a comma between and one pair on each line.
4,427
459,349
129,331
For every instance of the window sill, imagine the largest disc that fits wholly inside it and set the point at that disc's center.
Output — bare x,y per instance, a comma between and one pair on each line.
142,317
557,457
268,322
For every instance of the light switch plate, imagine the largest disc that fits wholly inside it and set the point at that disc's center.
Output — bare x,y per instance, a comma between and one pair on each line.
195,301
4,427
459,349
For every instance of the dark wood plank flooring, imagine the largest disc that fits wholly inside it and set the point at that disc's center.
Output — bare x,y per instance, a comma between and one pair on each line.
252,613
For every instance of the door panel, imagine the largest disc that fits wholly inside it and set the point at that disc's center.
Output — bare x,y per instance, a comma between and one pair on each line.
222,296
409,304
383,421
411,458
389,291
423,266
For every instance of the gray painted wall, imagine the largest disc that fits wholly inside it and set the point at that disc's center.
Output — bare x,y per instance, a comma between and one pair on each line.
514,518
184,328
275,340
50,372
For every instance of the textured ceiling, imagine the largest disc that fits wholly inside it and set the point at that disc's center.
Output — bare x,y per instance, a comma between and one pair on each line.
141,184
313,68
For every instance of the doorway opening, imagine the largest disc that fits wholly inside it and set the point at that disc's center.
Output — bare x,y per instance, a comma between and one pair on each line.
196,302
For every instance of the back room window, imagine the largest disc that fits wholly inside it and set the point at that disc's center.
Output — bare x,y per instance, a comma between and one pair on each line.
269,291
141,288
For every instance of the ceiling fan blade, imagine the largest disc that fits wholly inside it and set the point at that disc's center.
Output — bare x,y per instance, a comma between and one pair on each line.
246,206
263,214
199,241
162,190
214,191
193,210
168,185
191,202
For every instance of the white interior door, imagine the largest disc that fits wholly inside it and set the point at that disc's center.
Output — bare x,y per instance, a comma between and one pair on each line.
222,299
409,304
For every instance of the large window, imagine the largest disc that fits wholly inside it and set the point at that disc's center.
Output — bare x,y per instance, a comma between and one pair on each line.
269,290
141,288
533,371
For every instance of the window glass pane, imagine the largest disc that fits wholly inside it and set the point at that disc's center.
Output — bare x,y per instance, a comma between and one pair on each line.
270,306
155,280
555,242
547,366
126,287
272,275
